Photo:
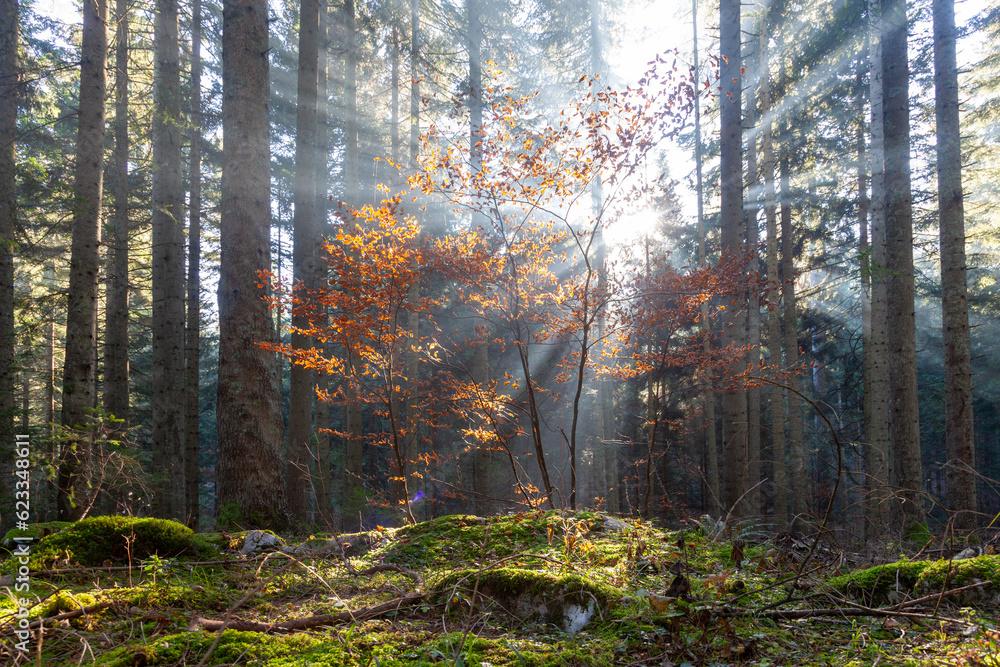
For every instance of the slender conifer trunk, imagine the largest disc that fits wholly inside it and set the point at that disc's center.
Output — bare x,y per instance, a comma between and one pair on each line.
959,432
79,369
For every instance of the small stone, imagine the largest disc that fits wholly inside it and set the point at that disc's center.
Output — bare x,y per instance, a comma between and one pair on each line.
611,523
258,541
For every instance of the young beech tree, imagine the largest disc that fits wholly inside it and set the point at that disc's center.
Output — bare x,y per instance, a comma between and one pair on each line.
526,275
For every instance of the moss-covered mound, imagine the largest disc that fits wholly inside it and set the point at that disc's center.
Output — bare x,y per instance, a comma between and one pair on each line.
466,538
874,585
95,540
568,601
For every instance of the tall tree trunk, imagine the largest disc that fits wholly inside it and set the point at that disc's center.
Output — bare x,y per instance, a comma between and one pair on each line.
751,482
81,311
877,353
776,395
906,471
394,90
250,489
959,432
321,409
483,459
796,443
49,278
9,78
168,268
864,247
708,396
412,364
116,389
734,400
192,334
606,455
305,238
414,81
354,499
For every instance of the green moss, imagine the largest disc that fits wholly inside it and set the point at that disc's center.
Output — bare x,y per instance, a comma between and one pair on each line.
94,540
527,593
242,648
874,584
64,601
36,531
465,538
960,573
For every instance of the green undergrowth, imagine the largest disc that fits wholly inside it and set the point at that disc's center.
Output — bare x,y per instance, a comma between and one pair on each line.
540,589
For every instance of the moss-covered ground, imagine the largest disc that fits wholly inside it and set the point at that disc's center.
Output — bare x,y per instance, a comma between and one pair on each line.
471,587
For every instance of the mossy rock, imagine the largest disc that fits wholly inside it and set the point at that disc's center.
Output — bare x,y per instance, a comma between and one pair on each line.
36,531
874,584
465,538
942,575
95,540
567,601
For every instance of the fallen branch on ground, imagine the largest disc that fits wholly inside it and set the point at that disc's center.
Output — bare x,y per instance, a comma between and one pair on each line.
363,614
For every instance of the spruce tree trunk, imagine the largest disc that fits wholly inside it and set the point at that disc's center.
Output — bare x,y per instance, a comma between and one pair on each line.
354,498
116,389
81,309
250,488
321,409
49,278
906,471
876,355
795,443
192,332
776,395
864,247
752,480
714,504
305,240
168,268
606,454
734,400
959,432
9,78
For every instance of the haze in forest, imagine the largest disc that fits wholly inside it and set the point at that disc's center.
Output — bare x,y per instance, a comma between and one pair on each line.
346,264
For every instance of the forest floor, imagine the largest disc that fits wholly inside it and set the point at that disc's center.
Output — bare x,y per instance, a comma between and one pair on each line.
528,589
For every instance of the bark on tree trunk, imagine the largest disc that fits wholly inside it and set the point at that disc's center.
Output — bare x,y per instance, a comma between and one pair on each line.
305,240
959,432
250,489
81,310
734,400
354,496
9,78
168,268
752,479
906,471
876,354
192,333
795,443
116,389
776,395
713,505
321,414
